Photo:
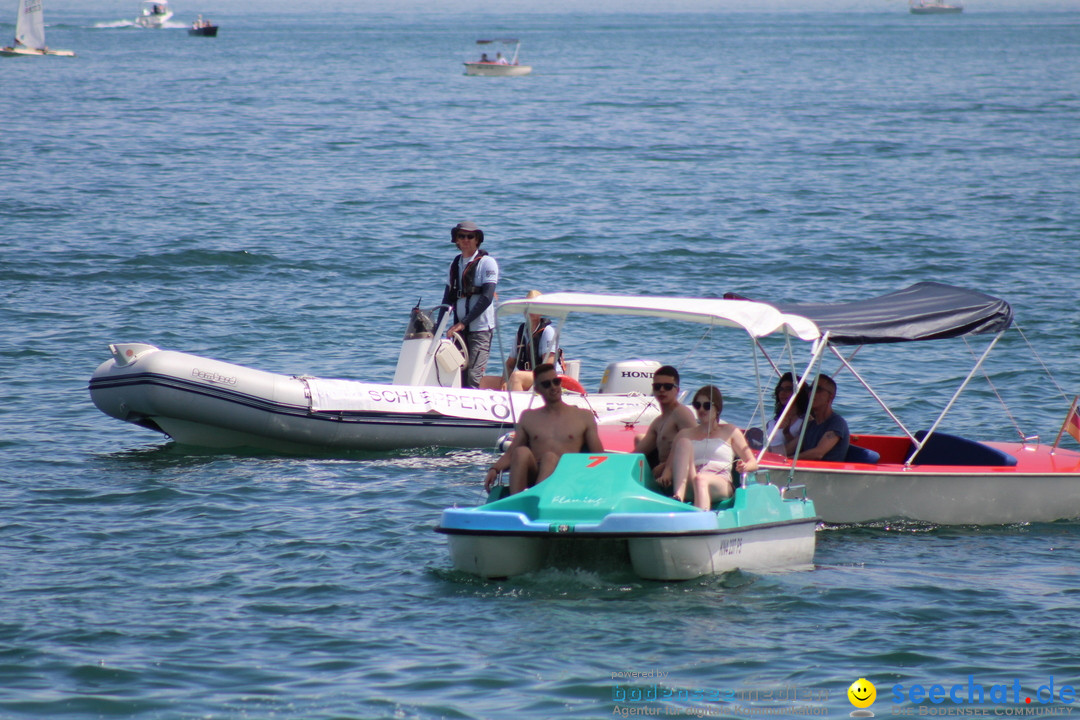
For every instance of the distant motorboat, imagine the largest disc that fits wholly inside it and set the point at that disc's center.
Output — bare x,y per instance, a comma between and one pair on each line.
154,14
30,33
498,66
203,28
934,7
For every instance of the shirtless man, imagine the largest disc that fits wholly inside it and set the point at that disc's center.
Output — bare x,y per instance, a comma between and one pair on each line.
674,416
543,434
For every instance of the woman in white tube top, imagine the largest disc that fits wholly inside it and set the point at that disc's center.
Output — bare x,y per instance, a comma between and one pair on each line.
701,455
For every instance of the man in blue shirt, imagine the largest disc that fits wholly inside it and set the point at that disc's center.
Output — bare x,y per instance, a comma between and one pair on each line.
827,437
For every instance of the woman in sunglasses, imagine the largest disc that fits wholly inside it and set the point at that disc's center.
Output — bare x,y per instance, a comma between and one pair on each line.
702,455
790,423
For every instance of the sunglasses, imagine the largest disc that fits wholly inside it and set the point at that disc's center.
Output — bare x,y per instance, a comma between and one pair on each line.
702,405
657,387
466,236
557,382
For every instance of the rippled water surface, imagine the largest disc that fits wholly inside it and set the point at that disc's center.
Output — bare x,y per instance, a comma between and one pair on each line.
282,203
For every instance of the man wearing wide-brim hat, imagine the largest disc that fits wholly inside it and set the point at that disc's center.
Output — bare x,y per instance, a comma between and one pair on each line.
470,292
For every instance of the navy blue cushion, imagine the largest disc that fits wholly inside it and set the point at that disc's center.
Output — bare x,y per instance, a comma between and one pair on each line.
856,454
946,449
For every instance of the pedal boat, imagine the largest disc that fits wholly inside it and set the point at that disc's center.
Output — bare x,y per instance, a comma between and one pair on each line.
492,68
607,506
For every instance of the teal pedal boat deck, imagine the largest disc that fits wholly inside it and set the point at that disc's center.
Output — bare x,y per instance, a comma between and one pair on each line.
593,498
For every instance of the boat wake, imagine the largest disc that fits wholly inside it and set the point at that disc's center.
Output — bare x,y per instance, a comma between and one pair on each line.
109,25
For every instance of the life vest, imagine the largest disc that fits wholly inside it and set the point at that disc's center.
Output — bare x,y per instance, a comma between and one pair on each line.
526,351
468,286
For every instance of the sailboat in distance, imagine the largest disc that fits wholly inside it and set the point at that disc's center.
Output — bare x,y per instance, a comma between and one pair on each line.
30,33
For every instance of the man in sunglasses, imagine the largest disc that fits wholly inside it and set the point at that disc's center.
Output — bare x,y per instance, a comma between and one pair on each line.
470,292
542,435
827,435
656,443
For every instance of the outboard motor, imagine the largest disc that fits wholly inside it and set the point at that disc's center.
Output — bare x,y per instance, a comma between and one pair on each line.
426,357
629,376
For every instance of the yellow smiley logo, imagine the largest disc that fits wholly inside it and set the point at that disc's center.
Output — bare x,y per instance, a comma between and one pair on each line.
862,693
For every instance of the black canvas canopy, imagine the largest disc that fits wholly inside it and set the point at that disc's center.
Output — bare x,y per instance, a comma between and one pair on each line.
924,311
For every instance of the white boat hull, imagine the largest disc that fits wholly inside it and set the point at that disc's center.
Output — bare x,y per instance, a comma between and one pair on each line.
788,546
598,511
209,403
496,70
24,52
153,21
954,497
763,548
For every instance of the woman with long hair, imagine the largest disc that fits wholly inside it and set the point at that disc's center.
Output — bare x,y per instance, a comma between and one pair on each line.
791,422
702,455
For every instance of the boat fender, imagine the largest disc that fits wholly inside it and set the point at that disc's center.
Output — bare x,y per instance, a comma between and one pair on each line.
503,443
569,383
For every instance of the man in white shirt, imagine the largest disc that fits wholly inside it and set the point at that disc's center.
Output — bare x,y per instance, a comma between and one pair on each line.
470,291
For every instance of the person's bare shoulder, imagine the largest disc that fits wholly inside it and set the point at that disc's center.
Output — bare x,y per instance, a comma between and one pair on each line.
528,418
684,417
586,416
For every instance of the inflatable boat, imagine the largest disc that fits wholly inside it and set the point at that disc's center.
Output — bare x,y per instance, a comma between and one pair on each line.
210,403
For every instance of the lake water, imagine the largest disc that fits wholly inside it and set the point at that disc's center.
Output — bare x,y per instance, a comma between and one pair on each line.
280,196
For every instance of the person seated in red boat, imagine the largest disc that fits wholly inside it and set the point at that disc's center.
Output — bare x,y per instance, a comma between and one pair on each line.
542,435
484,58
791,422
827,436
500,60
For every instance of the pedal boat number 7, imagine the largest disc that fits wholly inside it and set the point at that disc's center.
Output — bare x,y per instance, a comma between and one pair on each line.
596,508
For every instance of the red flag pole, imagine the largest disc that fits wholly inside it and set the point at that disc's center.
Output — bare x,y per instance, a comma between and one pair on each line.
1068,417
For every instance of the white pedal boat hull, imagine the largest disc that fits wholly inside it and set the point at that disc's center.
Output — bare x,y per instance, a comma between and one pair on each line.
759,549
496,70
601,510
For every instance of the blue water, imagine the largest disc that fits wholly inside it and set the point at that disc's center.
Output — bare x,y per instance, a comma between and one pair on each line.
281,195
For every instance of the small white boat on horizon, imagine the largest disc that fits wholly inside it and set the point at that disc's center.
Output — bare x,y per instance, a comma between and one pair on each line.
154,14
30,33
497,65
934,7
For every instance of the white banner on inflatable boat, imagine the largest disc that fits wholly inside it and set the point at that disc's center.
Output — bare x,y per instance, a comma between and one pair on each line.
353,396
